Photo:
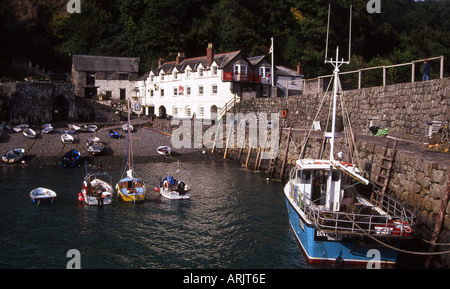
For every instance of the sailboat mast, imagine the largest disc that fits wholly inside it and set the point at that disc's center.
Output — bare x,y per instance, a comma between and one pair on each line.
128,137
335,94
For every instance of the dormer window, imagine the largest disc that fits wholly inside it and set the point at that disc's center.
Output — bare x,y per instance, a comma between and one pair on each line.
175,75
213,70
200,72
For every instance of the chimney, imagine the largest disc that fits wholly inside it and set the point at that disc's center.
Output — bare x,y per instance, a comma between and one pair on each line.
180,57
299,69
209,54
160,62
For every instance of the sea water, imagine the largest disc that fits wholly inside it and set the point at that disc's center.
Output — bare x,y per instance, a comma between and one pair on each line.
235,219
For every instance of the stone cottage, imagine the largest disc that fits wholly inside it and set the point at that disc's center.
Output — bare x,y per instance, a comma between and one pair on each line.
104,77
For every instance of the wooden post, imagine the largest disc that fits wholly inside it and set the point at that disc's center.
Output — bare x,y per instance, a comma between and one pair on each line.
228,142
439,222
285,153
248,154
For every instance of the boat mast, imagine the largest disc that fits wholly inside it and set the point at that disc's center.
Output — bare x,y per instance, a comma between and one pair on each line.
128,137
336,65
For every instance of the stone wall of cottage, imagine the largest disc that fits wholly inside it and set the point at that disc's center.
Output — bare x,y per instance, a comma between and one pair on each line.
41,102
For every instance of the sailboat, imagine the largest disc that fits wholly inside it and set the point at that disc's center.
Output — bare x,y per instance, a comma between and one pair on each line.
331,219
96,191
130,188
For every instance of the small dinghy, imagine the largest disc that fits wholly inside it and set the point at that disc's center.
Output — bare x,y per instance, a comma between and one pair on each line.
92,128
173,188
96,191
114,134
96,148
127,127
29,133
92,140
74,127
164,150
20,127
47,128
13,155
42,196
66,138
70,159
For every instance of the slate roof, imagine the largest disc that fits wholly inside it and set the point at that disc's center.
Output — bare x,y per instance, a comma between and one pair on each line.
221,59
105,63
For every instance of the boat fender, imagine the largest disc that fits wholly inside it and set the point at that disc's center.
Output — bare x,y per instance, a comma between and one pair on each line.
157,189
80,197
166,185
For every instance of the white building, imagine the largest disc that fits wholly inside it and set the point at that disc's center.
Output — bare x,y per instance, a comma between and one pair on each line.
203,86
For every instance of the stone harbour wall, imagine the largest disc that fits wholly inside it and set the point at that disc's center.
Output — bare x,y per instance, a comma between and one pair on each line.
405,109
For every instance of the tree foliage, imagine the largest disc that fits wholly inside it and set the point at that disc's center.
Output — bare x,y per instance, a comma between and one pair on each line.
150,29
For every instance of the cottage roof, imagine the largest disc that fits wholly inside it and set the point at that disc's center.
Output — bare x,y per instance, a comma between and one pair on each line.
221,59
105,63
282,70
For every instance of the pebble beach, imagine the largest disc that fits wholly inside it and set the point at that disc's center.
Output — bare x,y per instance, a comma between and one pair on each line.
47,149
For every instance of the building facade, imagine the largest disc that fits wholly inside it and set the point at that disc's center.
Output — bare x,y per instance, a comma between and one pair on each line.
202,86
104,77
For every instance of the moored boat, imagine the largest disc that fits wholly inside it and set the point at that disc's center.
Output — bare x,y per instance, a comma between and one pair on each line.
174,188
70,159
97,189
130,188
67,138
29,133
128,127
164,150
14,155
42,196
47,128
332,219
20,127
113,134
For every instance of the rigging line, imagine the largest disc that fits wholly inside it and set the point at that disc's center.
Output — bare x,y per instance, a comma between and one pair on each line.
392,247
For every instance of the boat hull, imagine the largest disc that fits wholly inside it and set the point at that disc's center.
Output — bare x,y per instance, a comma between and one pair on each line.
131,197
131,190
42,196
174,195
336,249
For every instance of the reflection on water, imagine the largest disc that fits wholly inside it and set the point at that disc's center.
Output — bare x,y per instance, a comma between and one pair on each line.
234,219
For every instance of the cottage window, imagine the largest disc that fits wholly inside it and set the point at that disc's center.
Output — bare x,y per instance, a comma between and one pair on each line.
200,90
201,110
175,75
200,72
108,76
187,111
175,91
161,91
214,70
240,69
123,76
175,111
90,78
214,89
188,91
151,92
264,72
162,76
188,74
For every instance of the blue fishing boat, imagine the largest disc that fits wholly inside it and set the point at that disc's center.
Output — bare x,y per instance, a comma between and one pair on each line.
70,159
332,219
